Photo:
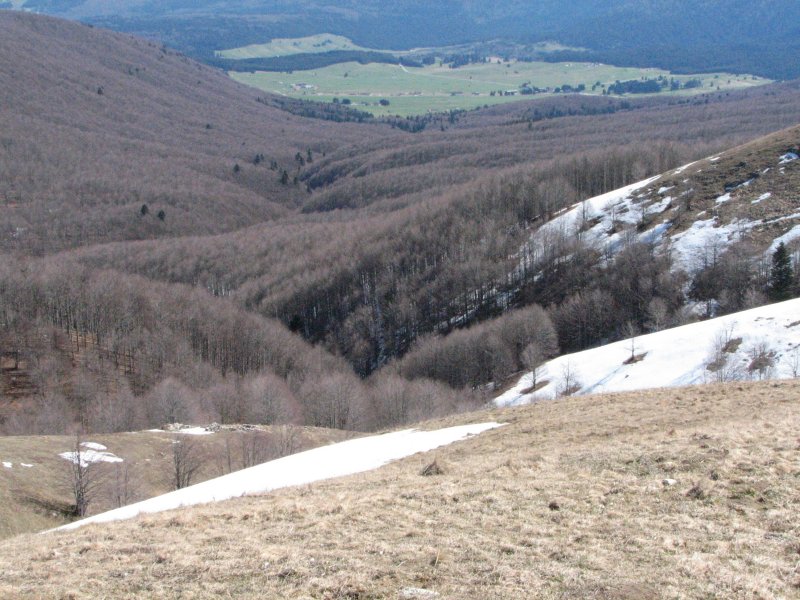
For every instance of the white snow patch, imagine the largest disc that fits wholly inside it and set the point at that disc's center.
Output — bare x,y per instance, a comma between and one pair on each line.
762,197
193,431
788,157
88,457
675,357
664,190
690,248
790,236
595,207
26,465
680,170
715,158
724,198
337,460
93,446
8,465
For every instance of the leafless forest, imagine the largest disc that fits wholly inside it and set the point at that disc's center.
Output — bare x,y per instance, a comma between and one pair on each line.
175,250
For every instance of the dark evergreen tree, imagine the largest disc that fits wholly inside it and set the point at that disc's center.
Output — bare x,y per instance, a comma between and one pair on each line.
144,210
781,276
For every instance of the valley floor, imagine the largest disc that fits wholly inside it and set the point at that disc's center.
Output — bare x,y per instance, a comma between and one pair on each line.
679,493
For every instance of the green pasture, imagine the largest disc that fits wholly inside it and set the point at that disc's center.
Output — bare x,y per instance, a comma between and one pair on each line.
313,44
414,91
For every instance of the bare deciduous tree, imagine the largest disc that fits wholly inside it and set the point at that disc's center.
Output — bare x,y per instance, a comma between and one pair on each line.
570,382
762,360
723,347
533,358
187,460
123,486
84,478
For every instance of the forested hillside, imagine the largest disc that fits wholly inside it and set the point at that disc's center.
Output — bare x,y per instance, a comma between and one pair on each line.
178,249
107,137
730,35
427,238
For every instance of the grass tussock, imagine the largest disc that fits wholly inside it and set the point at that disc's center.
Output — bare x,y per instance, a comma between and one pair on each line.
566,501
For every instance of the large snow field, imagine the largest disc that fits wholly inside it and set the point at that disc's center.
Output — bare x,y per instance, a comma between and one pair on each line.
674,357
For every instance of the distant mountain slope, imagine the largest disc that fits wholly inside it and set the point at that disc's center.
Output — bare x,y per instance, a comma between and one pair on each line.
95,124
745,36
760,343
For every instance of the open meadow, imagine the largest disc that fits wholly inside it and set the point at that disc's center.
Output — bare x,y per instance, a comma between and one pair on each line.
413,91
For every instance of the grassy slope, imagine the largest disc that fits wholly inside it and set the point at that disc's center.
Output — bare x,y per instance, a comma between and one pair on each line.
437,88
33,498
567,501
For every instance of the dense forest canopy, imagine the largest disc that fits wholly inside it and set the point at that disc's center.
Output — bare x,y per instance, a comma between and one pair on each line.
681,35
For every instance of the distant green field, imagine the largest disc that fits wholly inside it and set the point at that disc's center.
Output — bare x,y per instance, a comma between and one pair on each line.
329,42
416,91
314,44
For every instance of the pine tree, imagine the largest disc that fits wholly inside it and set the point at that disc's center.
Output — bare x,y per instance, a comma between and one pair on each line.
781,276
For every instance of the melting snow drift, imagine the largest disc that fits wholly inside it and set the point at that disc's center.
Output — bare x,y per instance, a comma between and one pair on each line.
92,452
327,462
674,357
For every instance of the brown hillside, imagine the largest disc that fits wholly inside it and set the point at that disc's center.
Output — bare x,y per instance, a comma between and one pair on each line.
684,493
435,227
94,124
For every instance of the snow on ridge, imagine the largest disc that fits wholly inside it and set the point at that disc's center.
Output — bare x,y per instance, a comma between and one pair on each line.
327,462
671,358
8,465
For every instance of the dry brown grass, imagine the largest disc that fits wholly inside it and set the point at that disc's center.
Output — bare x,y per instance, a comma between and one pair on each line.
36,498
567,501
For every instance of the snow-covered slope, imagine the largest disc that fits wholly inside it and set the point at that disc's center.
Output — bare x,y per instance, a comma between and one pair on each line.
677,357
337,460
696,211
